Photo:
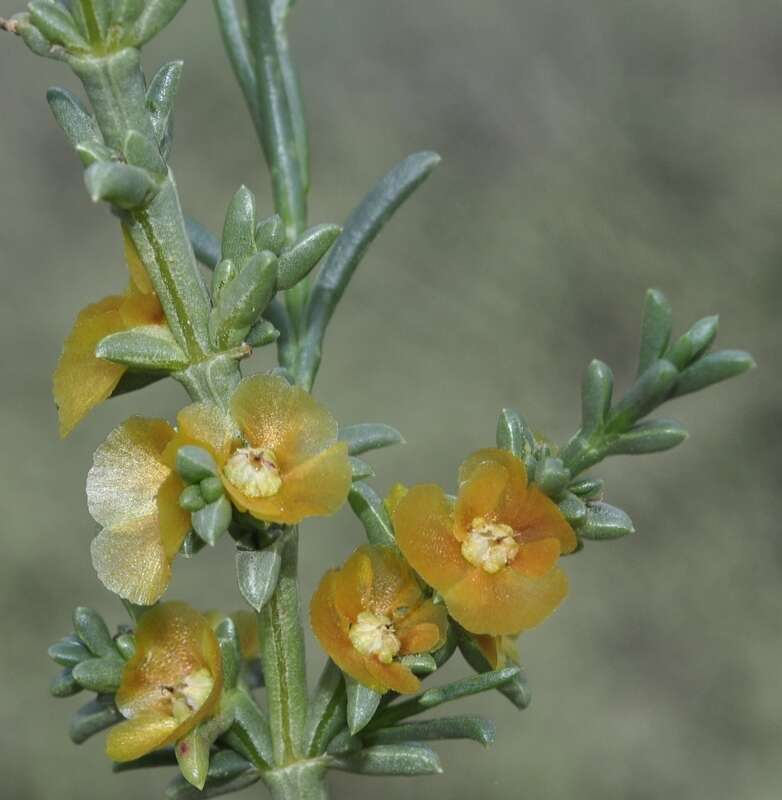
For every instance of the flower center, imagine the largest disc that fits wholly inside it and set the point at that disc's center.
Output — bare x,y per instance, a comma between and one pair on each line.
373,635
254,470
489,545
189,694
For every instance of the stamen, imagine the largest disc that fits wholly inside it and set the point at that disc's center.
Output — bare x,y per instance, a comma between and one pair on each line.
489,545
254,470
374,635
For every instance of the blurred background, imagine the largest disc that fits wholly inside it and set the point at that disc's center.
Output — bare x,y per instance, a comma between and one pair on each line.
591,149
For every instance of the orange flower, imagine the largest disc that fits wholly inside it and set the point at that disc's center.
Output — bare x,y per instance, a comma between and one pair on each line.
173,682
371,612
81,379
492,553
277,451
133,492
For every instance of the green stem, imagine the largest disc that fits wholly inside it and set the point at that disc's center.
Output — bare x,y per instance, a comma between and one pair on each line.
282,654
116,88
304,780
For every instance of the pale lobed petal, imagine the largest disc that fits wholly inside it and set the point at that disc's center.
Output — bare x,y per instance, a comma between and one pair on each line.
127,472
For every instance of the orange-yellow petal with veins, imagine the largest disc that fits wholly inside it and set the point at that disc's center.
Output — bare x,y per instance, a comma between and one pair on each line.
82,381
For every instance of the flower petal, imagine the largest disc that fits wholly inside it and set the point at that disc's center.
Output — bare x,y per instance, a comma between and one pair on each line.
352,585
172,641
130,561
394,588
505,603
206,425
480,495
425,615
141,309
534,517
421,638
424,532
536,559
173,520
273,414
331,630
139,276
127,472
138,736
82,381
317,487
517,473
393,677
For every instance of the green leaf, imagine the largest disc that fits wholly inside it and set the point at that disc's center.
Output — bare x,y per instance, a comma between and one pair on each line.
68,653
713,368
212,521
64,684
552,476
243,774
56,24
205,244
230,648
344,743
96,716
514,435
655,329
91,629
126,645
372,514
649,437
211,489
160,98
146,348
91,152
239,227
359,231
694,343
192,755
326,712
243,300
369,436
573,509
102,675
270,234
194,464
363,702
155,16
258,572
587,488
262,333
604,521
192,545
298,261
126,11
223,274
468,727
93,17
516,689
596,390
361,470
392,759
122,185
133,381
251,727
648,392
77,123
141,151
420,663
191,498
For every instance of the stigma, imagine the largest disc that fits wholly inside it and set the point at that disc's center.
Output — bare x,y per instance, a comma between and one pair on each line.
489,545
189,694
254,470
373,635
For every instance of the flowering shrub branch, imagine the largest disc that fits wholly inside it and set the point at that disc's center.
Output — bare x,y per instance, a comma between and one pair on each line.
223,697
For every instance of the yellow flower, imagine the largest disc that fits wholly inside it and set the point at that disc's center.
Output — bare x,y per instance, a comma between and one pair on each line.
81,379
371,612
492,554
133,492
172,683
277,451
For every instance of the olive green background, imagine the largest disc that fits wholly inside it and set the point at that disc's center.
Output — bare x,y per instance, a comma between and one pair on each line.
591,148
